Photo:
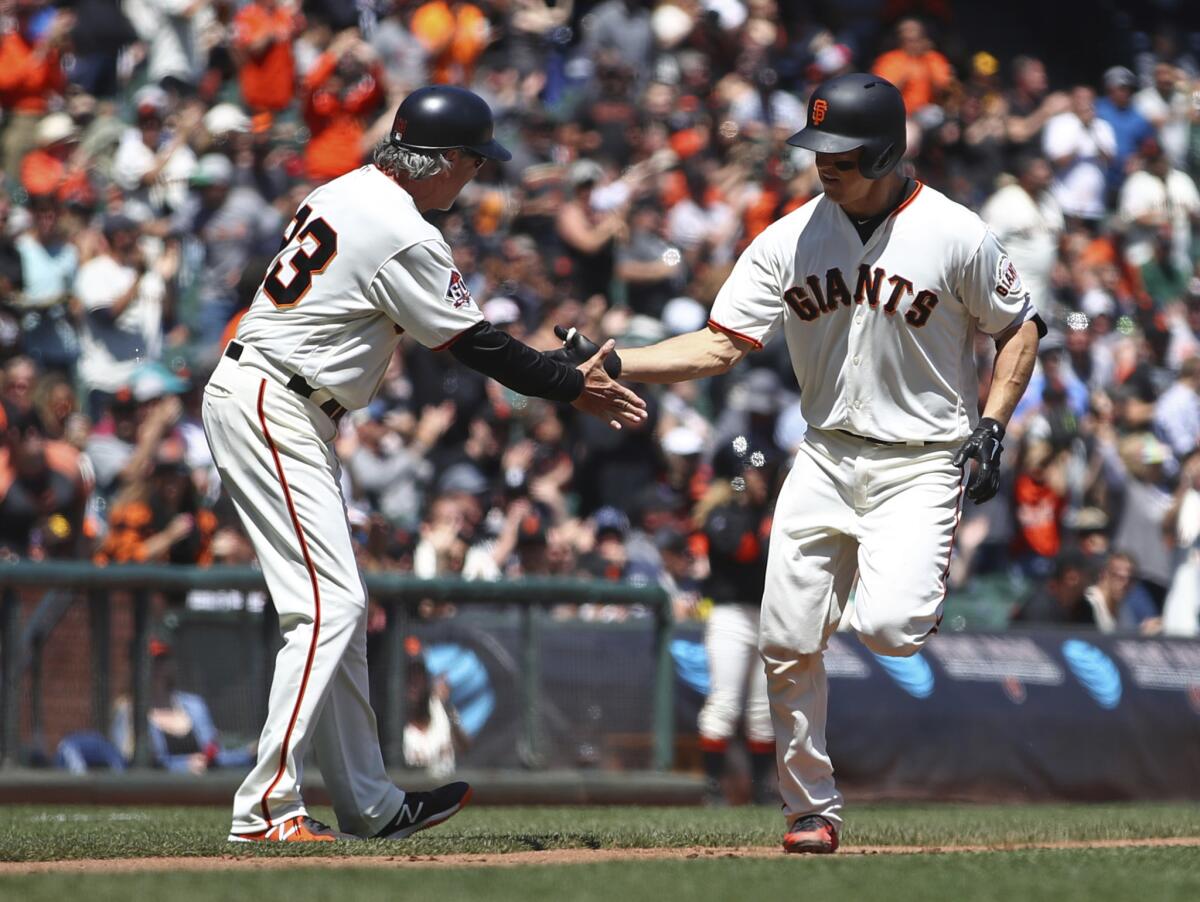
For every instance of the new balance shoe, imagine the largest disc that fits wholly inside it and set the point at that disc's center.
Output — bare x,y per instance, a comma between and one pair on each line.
813,834
426,809
301,828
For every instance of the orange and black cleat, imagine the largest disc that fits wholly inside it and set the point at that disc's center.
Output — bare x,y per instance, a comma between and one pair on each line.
301,828
813,834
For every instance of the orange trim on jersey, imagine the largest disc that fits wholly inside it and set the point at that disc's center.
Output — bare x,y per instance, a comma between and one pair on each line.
713,745
446,344
908,200
735,333
312,575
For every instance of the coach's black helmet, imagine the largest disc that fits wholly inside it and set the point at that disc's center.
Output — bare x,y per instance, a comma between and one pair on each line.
442,117
856,110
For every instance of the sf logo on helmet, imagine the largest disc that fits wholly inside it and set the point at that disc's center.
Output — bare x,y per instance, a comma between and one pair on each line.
820,108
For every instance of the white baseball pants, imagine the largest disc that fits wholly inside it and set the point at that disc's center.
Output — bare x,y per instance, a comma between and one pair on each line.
272,449
737,681
849,508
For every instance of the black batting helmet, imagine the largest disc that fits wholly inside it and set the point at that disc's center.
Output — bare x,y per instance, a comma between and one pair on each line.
856,110
442,117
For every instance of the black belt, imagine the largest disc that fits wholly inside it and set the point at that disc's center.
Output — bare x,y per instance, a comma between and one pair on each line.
331,408
873,441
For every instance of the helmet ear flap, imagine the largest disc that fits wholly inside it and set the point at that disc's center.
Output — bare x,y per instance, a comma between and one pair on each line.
877,159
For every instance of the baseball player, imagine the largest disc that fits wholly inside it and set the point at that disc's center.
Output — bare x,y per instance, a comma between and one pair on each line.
358,268
734,517
878,286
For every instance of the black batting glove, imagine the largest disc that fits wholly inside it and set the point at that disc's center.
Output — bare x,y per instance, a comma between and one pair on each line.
578,349
983,445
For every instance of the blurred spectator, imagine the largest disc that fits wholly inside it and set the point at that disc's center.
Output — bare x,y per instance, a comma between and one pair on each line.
650,265
1138,477
49,264
620,29
1119,602
263,31
589,235
1159,204
1177,412
1080,146
183,737
433,732
1129,126
922,74
31,75
1061,599
453,35
160,519
341,92
1181,609
122,299
1039,499
1031,104
152,164
232,225
1029,223
41,509
102,31
171,31
1167,105
55,168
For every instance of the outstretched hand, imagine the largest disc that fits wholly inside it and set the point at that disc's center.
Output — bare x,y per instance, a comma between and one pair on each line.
603,397
983,445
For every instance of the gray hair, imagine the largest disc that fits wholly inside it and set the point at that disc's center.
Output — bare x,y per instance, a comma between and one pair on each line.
414,164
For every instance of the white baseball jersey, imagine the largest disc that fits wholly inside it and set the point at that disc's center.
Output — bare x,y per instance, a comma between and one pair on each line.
880,334
359,267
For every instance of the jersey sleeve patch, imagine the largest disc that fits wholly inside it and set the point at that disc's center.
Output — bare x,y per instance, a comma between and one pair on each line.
457,293
1008,280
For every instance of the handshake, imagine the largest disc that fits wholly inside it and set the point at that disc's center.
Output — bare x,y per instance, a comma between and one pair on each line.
602,395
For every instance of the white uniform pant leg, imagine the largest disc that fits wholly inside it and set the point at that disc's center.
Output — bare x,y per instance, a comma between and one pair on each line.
271,450
364,798
731,642
810,569
907,536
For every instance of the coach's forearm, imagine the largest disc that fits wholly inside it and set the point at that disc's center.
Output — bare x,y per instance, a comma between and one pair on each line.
1015,359
514,364
693,355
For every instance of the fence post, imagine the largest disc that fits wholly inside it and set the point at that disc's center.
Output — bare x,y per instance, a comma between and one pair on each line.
139,660
530,754
664,688
10,735
395,705
100,633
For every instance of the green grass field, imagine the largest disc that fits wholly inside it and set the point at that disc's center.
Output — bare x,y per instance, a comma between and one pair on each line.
1159,873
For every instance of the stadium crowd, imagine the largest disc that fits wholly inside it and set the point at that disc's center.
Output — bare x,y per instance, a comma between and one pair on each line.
154,150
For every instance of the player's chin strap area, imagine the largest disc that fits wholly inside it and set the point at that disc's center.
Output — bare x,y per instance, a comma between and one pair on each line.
235,350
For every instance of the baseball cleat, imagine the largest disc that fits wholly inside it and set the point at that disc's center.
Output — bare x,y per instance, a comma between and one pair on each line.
426,809
301,828
814,834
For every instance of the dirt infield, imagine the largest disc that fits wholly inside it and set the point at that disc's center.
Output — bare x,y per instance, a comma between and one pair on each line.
516,859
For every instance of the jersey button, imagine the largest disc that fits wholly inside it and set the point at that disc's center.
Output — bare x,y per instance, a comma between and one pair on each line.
857,360
858,405
858,320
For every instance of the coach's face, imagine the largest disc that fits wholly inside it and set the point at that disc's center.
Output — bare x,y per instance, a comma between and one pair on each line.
840,178
464,166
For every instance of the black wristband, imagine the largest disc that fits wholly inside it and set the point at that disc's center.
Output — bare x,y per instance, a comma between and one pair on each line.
993,426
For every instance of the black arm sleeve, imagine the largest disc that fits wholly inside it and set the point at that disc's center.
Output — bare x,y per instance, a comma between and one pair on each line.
499,356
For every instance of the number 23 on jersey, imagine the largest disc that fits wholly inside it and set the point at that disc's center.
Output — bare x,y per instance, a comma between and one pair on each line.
308,248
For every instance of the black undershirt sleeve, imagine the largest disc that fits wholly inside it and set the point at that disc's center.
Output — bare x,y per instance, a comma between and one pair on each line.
514,364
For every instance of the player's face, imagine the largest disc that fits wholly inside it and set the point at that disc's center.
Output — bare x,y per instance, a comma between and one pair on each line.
840,178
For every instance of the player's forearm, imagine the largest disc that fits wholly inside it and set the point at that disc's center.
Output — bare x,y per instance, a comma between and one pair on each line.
693,355
1011,373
